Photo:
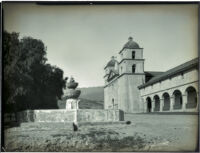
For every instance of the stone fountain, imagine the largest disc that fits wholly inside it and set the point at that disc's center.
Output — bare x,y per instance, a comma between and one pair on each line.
72,113
72,95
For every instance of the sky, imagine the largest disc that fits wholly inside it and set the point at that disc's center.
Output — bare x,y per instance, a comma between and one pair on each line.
81,39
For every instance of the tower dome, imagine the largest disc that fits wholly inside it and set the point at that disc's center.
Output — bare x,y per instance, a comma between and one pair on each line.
131,44
112,62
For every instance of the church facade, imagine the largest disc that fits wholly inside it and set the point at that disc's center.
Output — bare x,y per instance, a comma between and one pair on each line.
129,88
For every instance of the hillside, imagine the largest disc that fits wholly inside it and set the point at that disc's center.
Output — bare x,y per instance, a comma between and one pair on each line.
89,104
83,104
91,98
92,93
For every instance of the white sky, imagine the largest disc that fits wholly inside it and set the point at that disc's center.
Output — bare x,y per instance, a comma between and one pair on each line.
81,39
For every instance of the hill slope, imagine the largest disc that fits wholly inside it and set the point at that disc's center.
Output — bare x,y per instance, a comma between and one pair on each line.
92,93
91,98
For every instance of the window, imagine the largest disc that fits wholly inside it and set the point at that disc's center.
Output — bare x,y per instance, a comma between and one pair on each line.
133,54
133,68
121,69
113,103
182,76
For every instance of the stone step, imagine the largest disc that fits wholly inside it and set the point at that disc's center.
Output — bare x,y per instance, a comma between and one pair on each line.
46,124
67,124
170,113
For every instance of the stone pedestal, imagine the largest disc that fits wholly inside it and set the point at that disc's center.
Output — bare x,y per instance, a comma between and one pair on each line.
72,104
72,95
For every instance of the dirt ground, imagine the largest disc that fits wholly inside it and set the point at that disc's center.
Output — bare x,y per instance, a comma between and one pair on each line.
145,133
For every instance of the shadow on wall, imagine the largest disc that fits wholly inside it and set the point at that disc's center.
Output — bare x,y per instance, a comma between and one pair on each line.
26,116
61,104
121,115
10,121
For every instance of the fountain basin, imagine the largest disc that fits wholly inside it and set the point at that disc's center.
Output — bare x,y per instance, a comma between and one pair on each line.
71,85
63,115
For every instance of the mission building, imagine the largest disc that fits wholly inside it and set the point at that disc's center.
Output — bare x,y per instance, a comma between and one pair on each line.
129,88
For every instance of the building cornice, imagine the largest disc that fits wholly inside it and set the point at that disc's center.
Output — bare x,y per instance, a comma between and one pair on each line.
121,76
175,87
105,67
128,48
105,75
114,76
130,59
165,76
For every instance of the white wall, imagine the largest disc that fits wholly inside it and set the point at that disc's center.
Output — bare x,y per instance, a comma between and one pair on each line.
127,66
127,53
170,84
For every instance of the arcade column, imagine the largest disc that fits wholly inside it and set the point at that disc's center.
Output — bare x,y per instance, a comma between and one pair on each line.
152,106
161,104
184,97
172,102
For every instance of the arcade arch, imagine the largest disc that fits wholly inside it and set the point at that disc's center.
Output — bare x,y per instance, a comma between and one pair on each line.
166,99
178,100
149,104
191,97
157,103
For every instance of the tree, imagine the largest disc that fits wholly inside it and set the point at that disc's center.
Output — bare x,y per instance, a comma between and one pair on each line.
11,51
47,88
29,82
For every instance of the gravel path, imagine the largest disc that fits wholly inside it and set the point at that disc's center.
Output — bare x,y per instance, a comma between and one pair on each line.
145,133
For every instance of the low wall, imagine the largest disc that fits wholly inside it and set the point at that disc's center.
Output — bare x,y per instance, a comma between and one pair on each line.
84,115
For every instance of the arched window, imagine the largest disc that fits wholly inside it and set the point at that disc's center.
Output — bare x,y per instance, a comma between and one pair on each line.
133,68
113,102
157,103
148,104
191,97
166,99
133,54
177,99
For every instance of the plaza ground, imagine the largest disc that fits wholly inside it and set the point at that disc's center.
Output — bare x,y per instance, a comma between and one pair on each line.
147,132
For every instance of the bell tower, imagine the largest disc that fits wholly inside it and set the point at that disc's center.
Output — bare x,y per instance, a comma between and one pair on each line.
132,61
131,72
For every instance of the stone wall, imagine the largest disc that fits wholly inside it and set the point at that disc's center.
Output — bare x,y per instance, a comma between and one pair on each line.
86,115
111,96
128,94
123,90
125,93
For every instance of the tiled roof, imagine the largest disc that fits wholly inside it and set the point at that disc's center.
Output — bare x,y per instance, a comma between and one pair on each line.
116,73
153,73
172,72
